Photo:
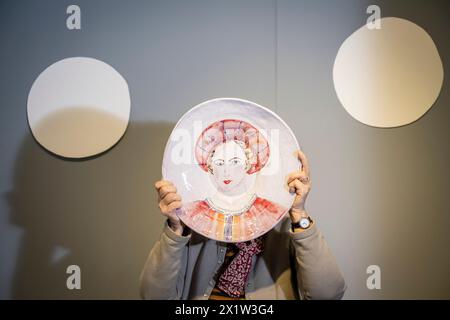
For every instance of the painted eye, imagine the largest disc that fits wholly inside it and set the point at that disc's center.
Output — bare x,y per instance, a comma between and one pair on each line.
235,161
218,163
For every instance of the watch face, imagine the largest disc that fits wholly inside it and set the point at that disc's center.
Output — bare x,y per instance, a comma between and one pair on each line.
304,223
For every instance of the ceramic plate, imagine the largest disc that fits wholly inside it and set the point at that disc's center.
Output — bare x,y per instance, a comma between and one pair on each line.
229,160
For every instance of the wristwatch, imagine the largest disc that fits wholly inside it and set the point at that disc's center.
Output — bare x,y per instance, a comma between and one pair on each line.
303,223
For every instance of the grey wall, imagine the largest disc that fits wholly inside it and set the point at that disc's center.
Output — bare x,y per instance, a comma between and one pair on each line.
379,195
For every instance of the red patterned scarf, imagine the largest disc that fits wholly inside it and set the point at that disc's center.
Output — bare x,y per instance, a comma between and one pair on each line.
233,279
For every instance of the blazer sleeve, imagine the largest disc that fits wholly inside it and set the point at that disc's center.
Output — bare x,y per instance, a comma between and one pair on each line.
317,273
164,271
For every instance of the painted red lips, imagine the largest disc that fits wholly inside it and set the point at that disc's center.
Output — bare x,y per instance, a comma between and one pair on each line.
226,181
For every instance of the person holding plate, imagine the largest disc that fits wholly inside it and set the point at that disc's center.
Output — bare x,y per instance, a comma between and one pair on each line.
291,261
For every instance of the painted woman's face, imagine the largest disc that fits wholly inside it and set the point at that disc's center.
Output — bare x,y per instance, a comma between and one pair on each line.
228,165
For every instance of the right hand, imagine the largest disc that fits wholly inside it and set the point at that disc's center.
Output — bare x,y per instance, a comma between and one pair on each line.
169,201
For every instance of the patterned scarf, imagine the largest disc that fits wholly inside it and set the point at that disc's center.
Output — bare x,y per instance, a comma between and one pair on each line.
233,279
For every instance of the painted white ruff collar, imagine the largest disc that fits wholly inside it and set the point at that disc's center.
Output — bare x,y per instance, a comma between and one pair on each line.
231,205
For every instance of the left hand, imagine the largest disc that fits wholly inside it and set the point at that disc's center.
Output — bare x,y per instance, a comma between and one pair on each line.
299,182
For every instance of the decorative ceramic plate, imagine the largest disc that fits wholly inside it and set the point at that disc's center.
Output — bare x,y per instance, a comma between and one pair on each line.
229,160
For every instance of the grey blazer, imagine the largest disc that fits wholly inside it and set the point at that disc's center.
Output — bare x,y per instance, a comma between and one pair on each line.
292,266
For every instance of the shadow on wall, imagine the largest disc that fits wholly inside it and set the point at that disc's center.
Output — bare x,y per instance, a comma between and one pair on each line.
99,213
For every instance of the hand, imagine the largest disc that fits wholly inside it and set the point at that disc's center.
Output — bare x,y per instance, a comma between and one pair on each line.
169,201
299,182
